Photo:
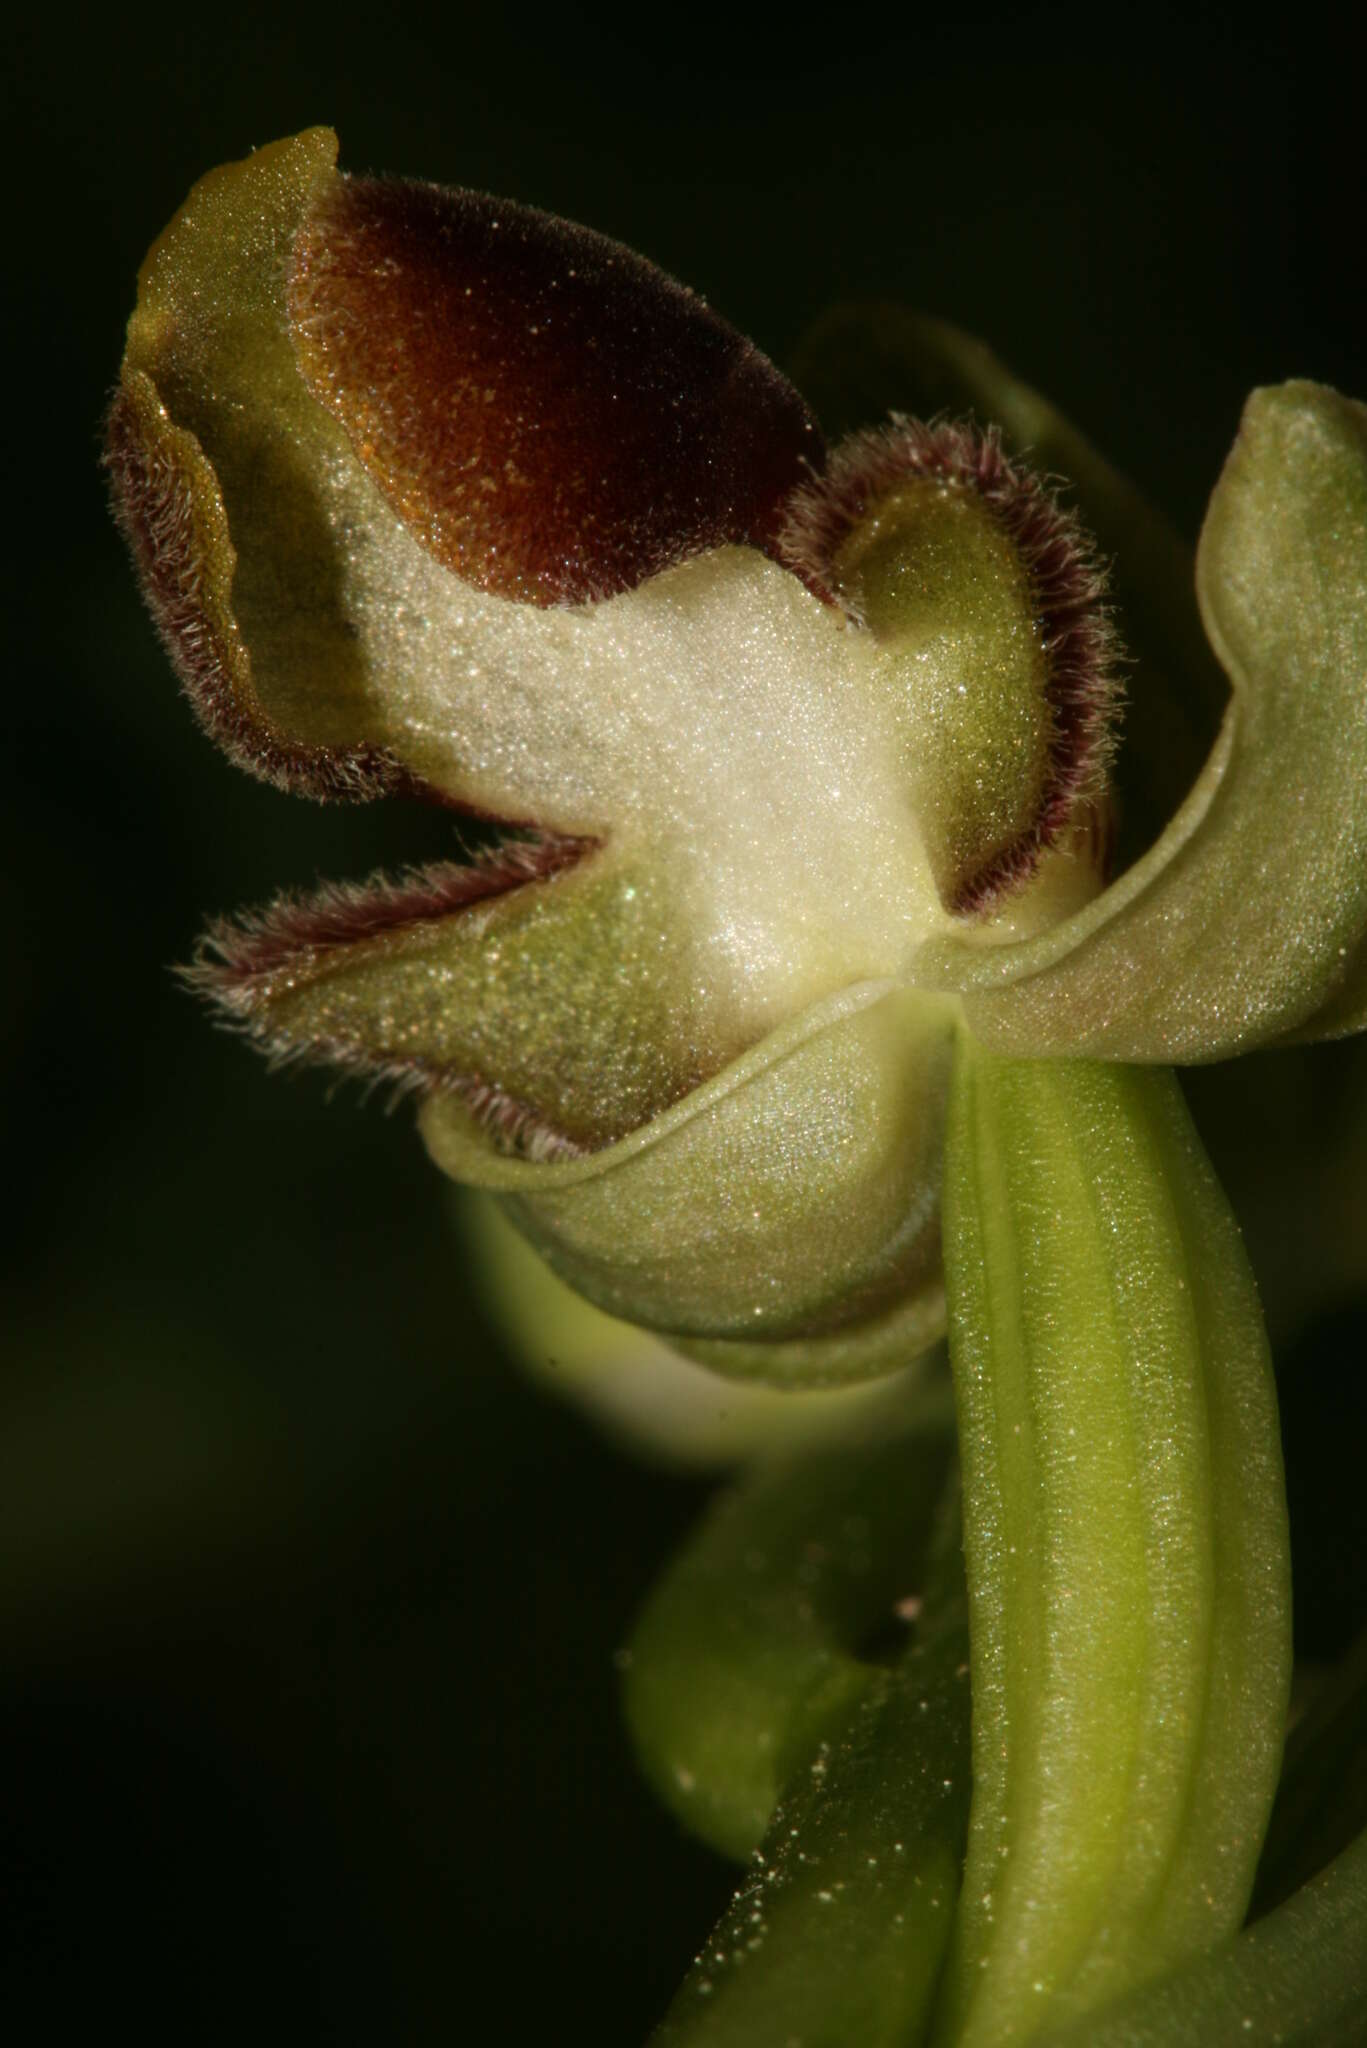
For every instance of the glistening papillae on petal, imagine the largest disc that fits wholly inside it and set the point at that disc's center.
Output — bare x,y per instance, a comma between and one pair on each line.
1247,922
549,985
860,362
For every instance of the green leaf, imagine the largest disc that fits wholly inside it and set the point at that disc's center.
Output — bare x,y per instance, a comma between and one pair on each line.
1247,922
1297,1979
838,1935
1126,1541
750,1645
1322,1798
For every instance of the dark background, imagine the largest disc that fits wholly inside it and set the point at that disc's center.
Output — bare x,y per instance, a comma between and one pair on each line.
307,1601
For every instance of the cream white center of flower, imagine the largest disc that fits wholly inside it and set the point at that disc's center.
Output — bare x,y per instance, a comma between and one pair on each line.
719,720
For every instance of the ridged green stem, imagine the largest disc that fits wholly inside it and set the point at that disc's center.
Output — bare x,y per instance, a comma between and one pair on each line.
1126,1542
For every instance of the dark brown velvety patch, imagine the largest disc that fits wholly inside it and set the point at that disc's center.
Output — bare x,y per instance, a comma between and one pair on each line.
553,417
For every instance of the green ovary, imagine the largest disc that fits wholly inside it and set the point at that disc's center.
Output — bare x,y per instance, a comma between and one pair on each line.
1125,1534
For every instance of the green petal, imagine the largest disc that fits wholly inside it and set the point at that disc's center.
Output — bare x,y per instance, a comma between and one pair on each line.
978,761
992,646
567,1011
1247,922
793,1199
1125,1532
861,362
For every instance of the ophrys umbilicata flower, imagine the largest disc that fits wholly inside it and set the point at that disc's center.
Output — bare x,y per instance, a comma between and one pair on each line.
807,753
436,496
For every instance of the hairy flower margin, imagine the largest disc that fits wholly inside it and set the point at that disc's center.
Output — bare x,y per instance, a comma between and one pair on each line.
802,755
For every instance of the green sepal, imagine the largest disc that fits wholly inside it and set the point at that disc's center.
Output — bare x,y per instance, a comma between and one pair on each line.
783,1215
1246,923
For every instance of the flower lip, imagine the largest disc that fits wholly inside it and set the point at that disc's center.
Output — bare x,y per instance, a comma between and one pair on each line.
374,383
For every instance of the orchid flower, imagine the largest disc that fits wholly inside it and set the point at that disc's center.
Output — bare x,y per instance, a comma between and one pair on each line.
796,1010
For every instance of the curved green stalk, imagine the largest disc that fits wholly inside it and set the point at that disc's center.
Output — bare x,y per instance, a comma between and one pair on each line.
1126,1542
